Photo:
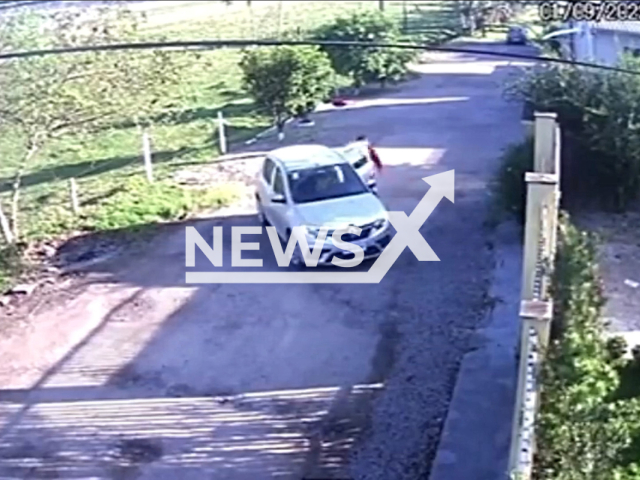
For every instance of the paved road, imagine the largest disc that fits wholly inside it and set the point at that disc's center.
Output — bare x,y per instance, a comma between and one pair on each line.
136,375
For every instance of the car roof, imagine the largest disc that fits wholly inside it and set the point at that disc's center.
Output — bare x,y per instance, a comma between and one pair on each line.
297,157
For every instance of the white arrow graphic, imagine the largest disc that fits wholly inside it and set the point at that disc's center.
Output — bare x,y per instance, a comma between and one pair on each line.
408,235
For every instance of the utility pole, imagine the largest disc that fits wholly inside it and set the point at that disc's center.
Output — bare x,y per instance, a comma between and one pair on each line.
381,5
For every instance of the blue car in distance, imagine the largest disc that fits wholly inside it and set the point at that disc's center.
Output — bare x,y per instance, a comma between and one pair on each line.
517,36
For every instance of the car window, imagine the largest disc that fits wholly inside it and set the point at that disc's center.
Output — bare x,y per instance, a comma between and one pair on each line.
361,162
278,183
356,154
267,169
323,183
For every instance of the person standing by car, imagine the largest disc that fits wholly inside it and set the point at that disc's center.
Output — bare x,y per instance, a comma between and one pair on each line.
373,155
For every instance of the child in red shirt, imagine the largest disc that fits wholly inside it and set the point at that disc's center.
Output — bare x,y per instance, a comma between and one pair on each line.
375,158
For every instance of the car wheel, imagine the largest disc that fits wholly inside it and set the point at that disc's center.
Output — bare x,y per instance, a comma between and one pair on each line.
261,216
297,262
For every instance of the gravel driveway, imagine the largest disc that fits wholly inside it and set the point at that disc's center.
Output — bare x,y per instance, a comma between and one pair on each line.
135,375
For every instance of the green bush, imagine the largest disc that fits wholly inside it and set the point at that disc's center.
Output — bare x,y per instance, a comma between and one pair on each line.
288,80
617,348
598,112
509,189
583,432
366,64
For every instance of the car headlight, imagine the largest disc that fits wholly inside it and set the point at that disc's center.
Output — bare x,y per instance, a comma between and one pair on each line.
378,224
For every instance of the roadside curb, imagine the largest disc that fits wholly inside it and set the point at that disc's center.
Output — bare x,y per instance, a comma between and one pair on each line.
476,435
264,133
239,156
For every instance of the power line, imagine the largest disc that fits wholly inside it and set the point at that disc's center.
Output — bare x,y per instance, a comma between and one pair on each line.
215,44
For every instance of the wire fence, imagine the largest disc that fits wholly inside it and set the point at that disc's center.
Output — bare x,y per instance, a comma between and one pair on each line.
536,306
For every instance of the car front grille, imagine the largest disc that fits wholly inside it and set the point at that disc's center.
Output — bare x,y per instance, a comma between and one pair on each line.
368,252
364,233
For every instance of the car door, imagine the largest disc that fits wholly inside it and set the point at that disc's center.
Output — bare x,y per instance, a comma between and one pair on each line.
358,156
279,203
263,186
265,177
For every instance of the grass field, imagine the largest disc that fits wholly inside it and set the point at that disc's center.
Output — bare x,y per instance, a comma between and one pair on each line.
107,165
270,19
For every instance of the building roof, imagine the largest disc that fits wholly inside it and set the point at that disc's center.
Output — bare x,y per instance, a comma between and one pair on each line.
296,157
624,27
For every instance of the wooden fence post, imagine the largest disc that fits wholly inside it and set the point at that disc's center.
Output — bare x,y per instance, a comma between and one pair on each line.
536,307
73,194
146,154
545,132
541,202
221,133
5,227
540,191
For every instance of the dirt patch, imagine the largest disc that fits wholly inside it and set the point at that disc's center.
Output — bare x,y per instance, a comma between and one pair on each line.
236,171
619,259
131,454
138,450
129,377
49,261
331,440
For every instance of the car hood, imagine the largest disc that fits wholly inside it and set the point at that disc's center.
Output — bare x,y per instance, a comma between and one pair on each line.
341,212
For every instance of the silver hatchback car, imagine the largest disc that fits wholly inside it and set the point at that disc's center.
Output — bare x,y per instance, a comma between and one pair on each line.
313,187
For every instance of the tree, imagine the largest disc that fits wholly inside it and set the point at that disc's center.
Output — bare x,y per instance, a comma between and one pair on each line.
42,98
475,14
366,64
287,81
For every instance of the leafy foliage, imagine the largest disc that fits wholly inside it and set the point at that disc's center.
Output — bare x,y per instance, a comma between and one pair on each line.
584,433
366,64
598,113
49,96
58,92
475,14
287,81
509,189
616,348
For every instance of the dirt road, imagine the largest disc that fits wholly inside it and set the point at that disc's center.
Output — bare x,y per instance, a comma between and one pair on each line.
131,374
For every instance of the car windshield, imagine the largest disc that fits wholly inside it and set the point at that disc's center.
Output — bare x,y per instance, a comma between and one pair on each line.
323,183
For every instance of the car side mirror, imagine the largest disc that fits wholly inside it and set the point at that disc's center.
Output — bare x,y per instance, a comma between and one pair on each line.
278,198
